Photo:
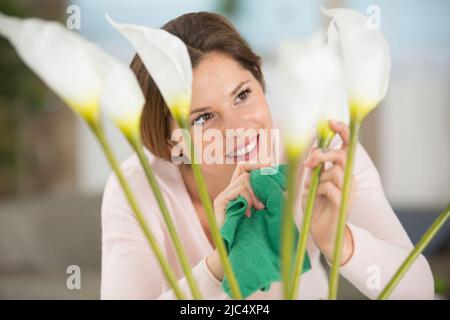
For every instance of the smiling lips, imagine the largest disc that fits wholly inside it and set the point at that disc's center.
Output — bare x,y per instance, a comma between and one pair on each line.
246,151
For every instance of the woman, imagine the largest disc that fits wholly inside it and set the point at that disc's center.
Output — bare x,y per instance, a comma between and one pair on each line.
228,93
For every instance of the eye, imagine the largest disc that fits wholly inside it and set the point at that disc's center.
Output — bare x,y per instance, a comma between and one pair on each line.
201,119
243,95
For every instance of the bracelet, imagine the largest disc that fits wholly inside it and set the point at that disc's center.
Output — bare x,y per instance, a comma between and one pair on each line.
353,247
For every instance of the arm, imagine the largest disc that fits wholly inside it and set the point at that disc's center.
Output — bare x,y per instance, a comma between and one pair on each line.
380,242
129,267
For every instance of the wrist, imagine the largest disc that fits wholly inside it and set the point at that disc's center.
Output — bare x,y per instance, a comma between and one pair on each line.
327,248
215,266
349,246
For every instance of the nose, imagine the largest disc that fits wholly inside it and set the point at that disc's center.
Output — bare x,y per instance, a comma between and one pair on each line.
239,126
235,118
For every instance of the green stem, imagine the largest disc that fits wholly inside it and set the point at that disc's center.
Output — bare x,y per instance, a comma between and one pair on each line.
210,215
334,274
167,270
137,146
421,245
306,224
287,224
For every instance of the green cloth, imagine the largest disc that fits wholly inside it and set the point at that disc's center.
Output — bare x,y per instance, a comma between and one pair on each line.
253,243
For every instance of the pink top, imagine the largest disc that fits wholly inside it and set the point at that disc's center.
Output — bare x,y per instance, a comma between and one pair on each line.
130,270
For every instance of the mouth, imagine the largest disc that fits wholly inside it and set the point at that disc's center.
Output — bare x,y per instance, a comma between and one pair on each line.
246,151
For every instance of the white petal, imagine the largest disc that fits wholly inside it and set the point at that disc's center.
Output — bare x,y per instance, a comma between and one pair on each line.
61,58
335,102
313,88
122,98
76,69
365,53
166,58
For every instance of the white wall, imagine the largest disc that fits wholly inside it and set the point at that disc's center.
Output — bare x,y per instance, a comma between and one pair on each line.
414,132
92,168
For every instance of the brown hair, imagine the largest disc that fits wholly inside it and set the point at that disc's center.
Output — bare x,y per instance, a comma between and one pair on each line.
202,33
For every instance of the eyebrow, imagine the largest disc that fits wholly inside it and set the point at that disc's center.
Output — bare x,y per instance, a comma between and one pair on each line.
235,90
199,110
238,87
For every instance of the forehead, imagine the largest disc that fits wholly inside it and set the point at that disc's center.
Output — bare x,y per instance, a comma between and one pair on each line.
218,72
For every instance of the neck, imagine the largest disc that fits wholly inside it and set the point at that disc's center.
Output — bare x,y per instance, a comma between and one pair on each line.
215,184
189,182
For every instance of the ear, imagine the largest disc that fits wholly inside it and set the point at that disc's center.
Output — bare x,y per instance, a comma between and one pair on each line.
177,152
175,147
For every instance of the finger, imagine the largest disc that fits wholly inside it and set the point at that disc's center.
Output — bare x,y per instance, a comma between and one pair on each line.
331,192
256,202
333,180
318,156
244,181
353,192
305,192
239,180
229,194
247,167
247,196
335,175
233,193
343,130
307,172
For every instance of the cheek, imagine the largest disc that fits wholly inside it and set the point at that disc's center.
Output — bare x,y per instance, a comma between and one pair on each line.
260,112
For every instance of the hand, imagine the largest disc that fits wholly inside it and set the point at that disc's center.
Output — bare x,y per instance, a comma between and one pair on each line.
328,201
239,186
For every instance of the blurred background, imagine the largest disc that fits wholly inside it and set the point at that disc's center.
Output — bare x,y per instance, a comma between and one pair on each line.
52,172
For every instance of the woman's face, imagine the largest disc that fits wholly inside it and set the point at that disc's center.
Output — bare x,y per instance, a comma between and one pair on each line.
230,119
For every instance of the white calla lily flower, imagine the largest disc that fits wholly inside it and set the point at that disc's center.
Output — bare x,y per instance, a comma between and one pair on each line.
326,88
366,59
122,98
167,60
81,73
335,100
65,61
312,91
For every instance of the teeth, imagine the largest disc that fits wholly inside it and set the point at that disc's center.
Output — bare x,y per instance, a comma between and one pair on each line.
243,151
